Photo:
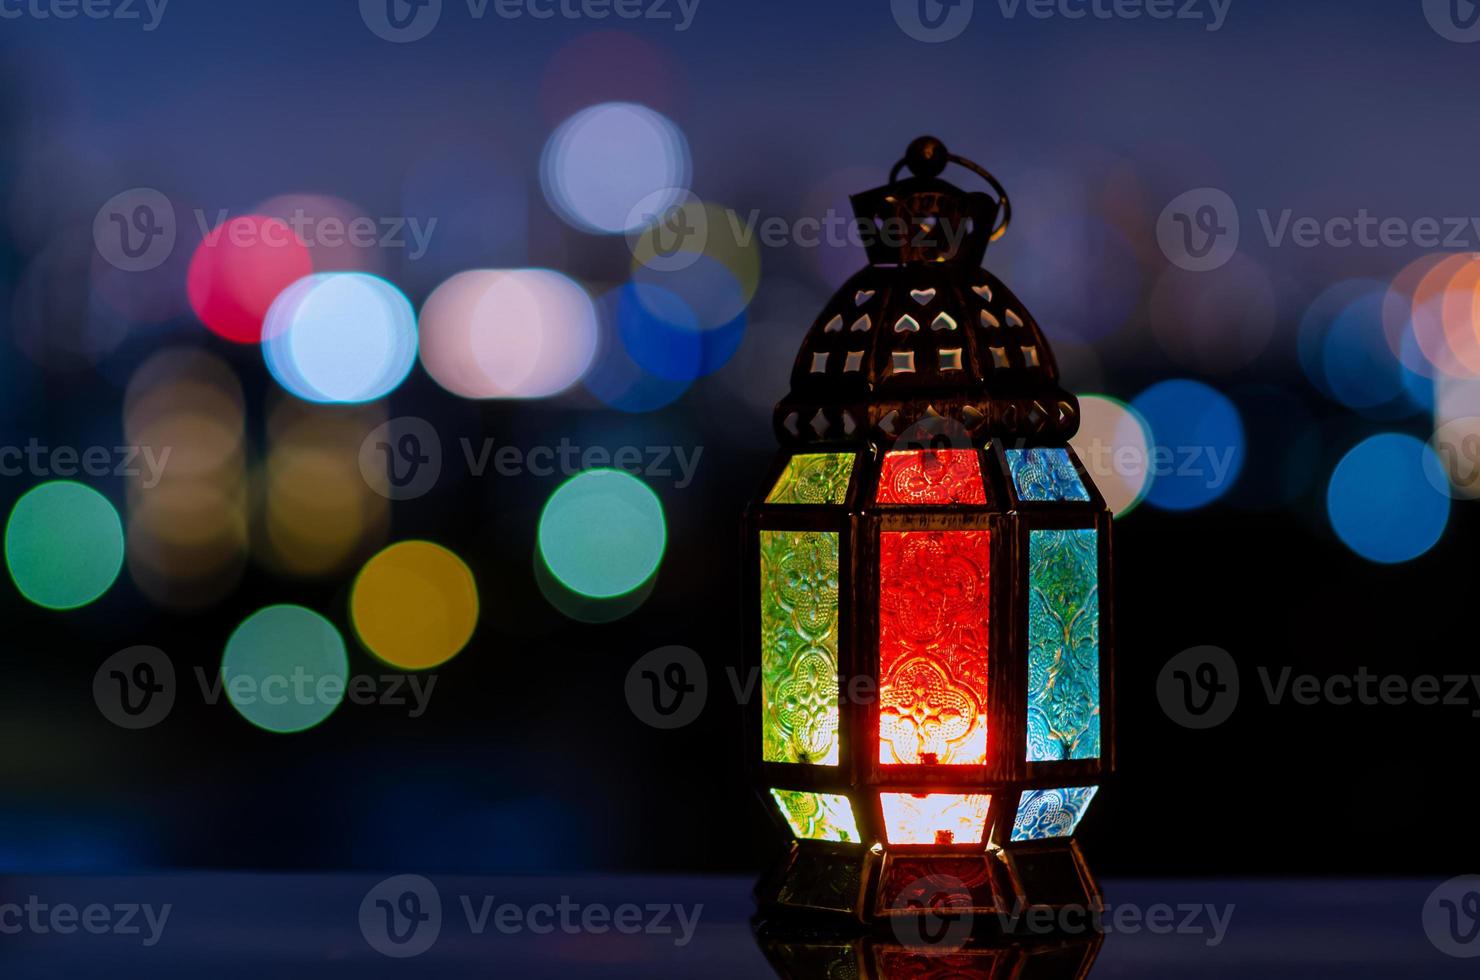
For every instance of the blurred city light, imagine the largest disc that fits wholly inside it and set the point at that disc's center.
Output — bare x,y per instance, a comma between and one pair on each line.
63,544
515,333
237,271
1198,449
604,161
602,533
285,669
1114,443
414,605
340,337
1382,500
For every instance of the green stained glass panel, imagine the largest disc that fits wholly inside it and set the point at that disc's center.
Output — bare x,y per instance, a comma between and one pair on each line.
799,646
814,478
1063,645
818,816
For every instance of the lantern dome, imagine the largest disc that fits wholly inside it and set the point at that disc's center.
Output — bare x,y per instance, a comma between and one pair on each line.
924,332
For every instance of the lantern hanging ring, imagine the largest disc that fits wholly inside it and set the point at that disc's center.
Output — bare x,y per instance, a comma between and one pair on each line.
928,156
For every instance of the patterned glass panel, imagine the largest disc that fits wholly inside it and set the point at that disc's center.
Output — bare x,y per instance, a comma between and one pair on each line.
814,478
934,598
932,476
1046,813
1063,645
818,816
937,818
1045,474
799,646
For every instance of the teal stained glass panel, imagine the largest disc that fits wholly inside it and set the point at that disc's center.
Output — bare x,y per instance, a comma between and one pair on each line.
1045,475
1044,814
1063,645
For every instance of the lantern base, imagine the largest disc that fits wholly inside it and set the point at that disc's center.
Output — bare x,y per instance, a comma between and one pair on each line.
803,953
1043,887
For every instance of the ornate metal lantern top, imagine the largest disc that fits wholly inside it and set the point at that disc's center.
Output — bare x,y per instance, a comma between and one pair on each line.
924,333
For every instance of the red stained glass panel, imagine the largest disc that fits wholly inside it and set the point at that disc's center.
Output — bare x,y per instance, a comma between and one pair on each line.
934,598
932,477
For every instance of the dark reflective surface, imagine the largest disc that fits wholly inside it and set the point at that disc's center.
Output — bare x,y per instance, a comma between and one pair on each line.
230,926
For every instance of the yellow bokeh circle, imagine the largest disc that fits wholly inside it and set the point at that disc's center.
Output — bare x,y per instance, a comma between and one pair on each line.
414,605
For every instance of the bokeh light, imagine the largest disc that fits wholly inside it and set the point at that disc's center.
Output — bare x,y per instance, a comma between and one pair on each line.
616,378
285,669
706,255
602,533
187,506
340,337
1198,449
239,269
1214,322
63,544
319,516
1382,502
586,609
517,333
661,332
1114,444
1360,369
604,161
414,605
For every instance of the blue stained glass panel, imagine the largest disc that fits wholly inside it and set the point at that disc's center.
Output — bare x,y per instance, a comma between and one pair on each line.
1063,645
1045,475
1044,814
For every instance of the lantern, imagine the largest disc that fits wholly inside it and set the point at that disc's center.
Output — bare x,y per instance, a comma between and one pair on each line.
931,573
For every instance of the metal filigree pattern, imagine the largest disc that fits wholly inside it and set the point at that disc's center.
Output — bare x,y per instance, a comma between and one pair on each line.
818,816
1045,475
932,477
799,637
936,818
934,599
1048,813
1063,645
814,478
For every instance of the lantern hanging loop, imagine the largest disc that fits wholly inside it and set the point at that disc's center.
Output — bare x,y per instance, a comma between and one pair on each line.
927,156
